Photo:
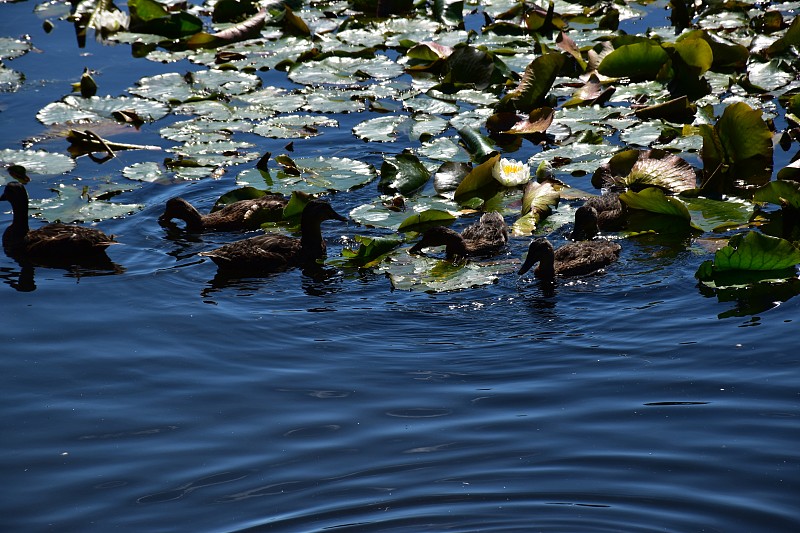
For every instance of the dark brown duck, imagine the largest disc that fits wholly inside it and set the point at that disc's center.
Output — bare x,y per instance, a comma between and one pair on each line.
273,252
51,245
241,215
485,237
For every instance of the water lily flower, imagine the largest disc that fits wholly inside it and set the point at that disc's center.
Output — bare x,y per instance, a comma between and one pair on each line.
511,173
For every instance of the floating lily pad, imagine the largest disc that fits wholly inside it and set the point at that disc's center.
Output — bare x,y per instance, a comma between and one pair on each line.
294,126
344,70
422,273
276,99
370,252
312,175
382,213
443,149
640,60
204,84
538,202
81,204
147,171
780,192
218,153
403,173
752,251
421,221
11,48
94,109
320,100
10,80
36,161
651,168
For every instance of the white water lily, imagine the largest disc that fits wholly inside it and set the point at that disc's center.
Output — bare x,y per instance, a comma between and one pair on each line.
511,173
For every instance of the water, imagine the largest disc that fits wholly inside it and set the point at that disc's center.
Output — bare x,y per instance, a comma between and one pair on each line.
159,399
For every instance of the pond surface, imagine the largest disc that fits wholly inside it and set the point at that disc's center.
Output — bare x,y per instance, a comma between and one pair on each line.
165,399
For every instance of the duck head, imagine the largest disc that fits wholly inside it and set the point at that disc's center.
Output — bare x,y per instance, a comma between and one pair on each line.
539,250
585,224
181,209
15,193
441,236
318,211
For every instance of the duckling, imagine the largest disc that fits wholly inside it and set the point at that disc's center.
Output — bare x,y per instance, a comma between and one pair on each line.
610,209
485,237
573,259
51,245
241,215
272,252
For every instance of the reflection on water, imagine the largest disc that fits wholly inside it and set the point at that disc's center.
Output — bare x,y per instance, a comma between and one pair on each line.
24,279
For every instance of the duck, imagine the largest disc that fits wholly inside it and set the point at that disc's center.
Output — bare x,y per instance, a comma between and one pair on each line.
610,214
54,244
241,215
485,237
572,259
273,252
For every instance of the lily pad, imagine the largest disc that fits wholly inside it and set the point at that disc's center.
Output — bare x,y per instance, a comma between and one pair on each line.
94,109
294,126
654,200
752,251
311,175
337,70
36,161
479,183
383,213
370,252
780,192
421,221
11,48
642,60
174,88
81,204
403,173
422,273
538,202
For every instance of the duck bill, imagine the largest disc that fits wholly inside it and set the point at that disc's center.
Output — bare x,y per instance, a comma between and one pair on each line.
530,260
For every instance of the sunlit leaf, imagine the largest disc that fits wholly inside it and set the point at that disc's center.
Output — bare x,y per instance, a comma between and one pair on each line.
641,60
80,204
479,182
422,273
535,83
421,221
780,192
752,251
344,70
94,109
538,202
654,200
403,173
36,161
371,251
294,126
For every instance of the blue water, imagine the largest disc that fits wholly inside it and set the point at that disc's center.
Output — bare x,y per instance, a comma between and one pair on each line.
159,399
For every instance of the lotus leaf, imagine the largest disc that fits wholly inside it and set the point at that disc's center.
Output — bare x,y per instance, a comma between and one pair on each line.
780,192
479,183
421,221
294,126
422,273
79,204
370,252
752,251
344,70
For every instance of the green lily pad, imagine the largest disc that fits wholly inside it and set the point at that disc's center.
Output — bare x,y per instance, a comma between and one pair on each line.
94,109
422,273
654,200
535,84
147,171
642,60
370,252
173,87
780,192
36,161
337,70
276,99
218,153
10,80
80,204
443,149
719,215
479,183
323,100
11,48
538,202
403,173
311,175
382,213
380,129
419,222
752,251
294,126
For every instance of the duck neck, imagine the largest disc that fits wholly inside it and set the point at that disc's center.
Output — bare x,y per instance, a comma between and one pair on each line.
16,232
456,247
192,218
311,241
546,269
